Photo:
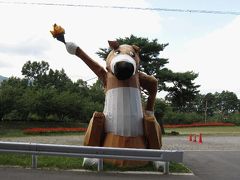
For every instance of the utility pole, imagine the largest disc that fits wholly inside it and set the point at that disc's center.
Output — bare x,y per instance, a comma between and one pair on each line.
205,113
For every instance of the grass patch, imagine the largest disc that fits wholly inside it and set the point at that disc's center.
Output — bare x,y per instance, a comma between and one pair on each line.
15,160
178,168
15,128
20,133
173,168
11,133
60,162
51,162
231,130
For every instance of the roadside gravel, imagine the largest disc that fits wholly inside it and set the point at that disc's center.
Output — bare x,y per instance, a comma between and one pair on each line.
212,143
66,140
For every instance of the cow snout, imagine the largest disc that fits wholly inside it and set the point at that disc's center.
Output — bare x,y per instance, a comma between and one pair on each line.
123,67
123,70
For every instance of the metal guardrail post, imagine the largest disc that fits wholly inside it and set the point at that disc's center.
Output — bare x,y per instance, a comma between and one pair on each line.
166,168
100,164
34,161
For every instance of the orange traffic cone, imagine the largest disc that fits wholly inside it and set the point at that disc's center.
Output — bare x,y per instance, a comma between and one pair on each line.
190,137
200,138
195,138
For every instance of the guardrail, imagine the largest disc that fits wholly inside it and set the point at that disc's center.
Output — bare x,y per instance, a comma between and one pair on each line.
101,153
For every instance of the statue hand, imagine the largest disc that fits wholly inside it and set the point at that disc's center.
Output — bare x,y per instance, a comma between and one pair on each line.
71,47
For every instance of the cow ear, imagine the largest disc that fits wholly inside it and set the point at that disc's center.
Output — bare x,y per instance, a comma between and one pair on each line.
136,48
113,45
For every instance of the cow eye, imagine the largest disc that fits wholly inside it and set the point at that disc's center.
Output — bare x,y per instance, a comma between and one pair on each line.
132,54
117,52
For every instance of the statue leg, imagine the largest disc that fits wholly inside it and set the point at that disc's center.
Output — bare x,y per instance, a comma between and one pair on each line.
152,132
95,131
94,136
153,136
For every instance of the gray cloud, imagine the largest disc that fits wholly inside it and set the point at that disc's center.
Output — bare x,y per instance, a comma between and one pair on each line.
35,47
4,64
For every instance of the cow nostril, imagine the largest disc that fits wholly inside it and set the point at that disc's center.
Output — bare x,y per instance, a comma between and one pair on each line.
123,70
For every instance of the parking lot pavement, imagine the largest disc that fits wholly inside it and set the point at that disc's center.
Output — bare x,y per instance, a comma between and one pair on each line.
213,142
214,165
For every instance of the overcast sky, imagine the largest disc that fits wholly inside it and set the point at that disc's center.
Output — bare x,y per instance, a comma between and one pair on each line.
204,43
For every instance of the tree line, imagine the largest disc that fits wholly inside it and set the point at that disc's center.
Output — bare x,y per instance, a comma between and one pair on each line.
47,94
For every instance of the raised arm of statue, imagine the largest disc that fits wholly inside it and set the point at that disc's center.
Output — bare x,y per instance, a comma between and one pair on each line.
93,65
150,84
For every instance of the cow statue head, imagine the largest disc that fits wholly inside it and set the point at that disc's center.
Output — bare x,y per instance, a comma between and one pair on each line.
123,61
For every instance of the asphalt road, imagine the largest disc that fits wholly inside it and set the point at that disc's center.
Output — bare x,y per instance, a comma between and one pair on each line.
27,174
206,165
214,165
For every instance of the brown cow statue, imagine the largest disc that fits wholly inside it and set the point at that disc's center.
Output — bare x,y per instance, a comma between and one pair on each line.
124,123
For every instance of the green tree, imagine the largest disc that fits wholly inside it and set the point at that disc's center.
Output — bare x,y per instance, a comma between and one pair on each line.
208,105
57,79
160,110
6,101
34,71
96,92
26,104
209,101
226,102
80,87
238,107
39,74
67,104
43,104
182,91
11,91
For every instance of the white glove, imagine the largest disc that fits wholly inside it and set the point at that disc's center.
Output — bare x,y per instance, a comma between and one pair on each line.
71,47
150,113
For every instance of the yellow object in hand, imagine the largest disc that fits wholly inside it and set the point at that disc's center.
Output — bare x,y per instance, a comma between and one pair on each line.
57,31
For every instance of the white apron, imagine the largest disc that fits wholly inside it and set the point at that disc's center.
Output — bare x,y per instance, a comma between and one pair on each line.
123,111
